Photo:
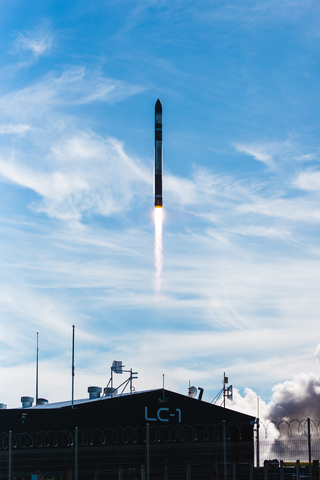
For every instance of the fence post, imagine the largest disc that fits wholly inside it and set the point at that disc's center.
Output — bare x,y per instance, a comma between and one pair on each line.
214,470
309,446
315,469
10,448
224,449
148,453
165,473
281,470
258,443
265,464
298,469
143,472
188,471
251,471
76,453
234,471
120,473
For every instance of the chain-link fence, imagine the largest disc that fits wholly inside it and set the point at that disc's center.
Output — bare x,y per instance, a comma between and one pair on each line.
159,452
150,452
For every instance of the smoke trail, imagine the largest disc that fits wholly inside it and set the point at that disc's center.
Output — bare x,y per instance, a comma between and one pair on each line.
158,253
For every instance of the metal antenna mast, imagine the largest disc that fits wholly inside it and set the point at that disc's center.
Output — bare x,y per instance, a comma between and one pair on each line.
72,370
37,370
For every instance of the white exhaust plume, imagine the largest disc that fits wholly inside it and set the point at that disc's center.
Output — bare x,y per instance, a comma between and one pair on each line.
295,399
158,250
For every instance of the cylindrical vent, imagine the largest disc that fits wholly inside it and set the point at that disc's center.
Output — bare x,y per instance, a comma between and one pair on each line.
108,391
94,392
42,401
3,405
27,402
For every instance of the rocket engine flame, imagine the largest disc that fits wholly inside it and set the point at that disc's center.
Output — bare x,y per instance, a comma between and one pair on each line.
158,250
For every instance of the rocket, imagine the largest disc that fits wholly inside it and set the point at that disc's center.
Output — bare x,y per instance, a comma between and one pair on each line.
158,155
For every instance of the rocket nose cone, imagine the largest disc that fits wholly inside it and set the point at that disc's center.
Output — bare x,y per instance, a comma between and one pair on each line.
158,107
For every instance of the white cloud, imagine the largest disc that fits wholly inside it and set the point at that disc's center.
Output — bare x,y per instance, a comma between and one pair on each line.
19,129
87,174
37,42
308,180
254,12
75,86
258,152
258,231
290,209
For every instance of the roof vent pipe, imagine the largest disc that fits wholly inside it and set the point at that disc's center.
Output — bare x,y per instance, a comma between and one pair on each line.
94,392
27,402
42,401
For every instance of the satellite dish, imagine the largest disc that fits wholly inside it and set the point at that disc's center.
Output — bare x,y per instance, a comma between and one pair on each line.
193,392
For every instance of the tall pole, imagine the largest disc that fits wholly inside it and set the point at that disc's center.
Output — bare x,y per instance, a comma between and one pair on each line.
111,381
72,369
148,453
10,448
130,380
37,370
258,443
163,386
224,449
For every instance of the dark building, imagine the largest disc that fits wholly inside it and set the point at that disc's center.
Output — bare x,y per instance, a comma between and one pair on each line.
158,432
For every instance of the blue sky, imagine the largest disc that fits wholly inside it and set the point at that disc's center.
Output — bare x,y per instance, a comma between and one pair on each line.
239,85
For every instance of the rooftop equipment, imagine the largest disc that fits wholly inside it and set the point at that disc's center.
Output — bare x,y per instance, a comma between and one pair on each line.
192,392
117,367
109,392
94,392
27,402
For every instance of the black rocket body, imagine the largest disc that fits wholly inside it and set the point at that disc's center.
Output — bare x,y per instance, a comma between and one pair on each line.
158,155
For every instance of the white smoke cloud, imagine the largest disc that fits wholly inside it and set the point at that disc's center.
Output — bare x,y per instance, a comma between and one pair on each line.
295,399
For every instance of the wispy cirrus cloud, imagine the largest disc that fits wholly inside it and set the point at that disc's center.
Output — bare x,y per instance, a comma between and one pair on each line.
261,231
258,152
37,42
277,155
75,86
308,180
254,12
18,129
291,209
82,174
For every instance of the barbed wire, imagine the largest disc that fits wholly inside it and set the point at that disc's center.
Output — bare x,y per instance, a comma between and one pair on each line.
291,428
125,435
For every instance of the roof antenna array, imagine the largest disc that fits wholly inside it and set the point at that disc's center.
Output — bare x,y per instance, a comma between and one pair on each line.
226,392
118,368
